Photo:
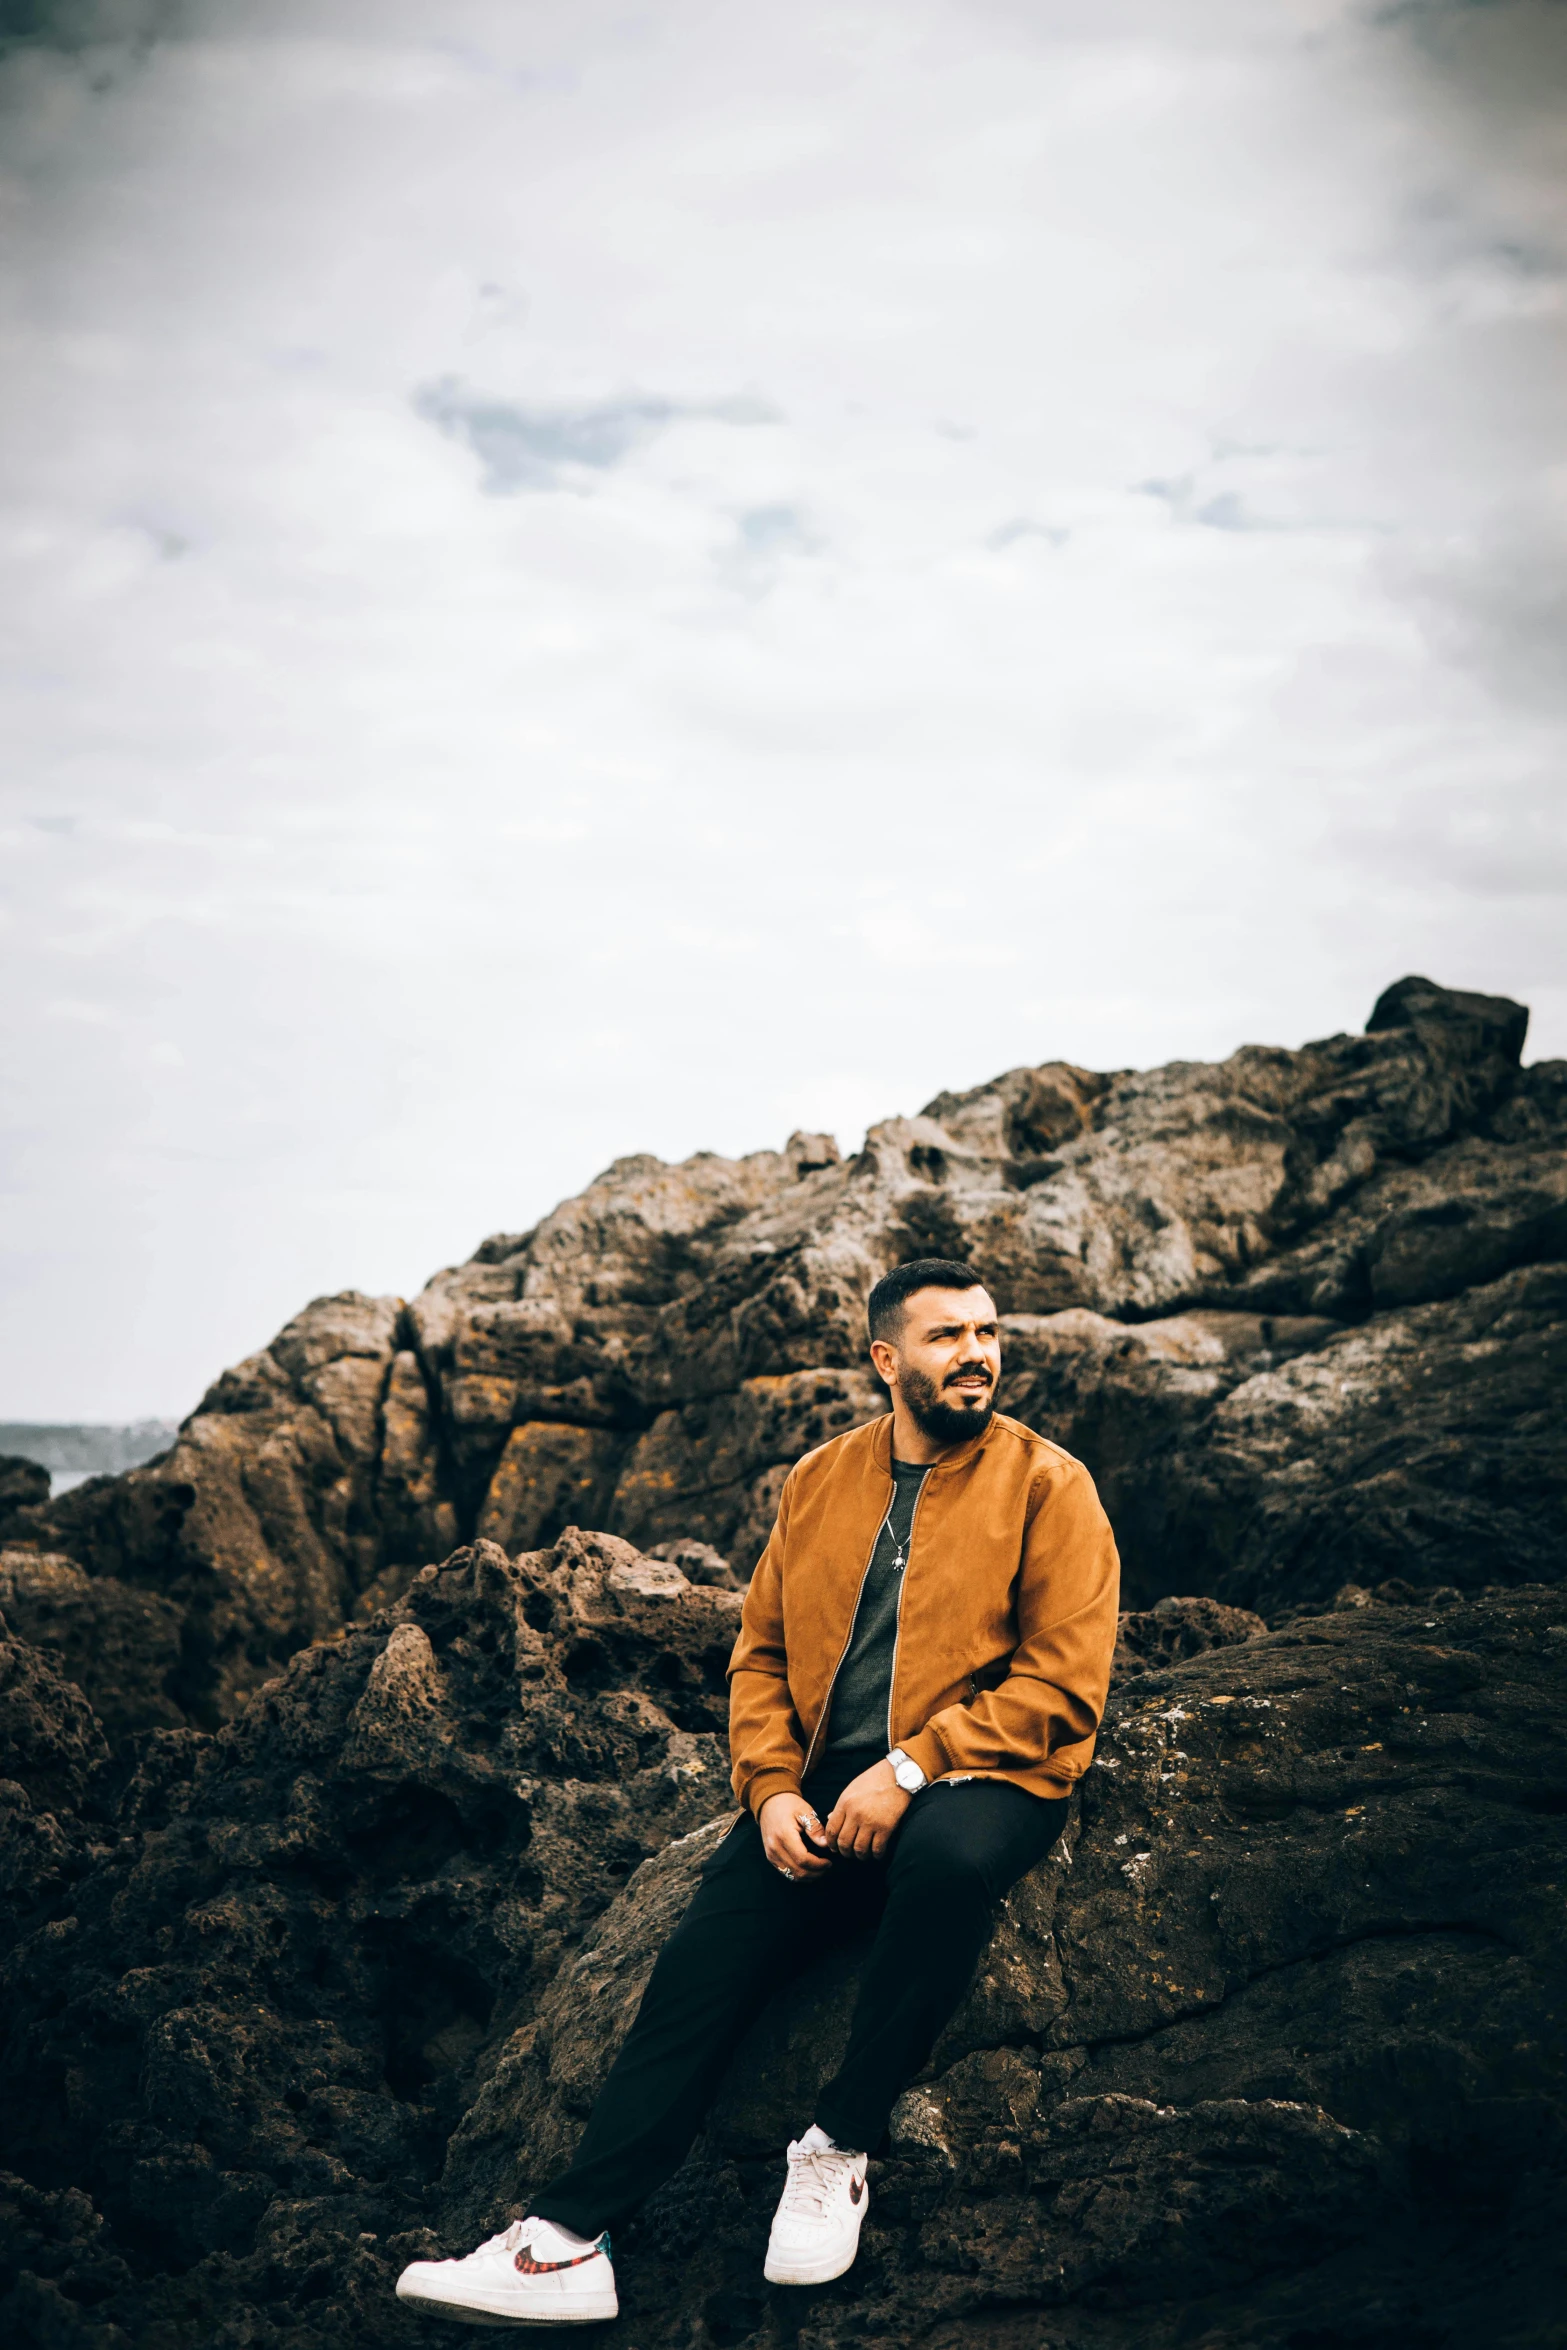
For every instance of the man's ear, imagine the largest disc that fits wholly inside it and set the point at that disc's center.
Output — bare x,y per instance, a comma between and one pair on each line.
885,1361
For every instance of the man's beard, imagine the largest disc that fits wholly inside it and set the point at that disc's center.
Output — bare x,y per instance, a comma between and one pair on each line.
945,1423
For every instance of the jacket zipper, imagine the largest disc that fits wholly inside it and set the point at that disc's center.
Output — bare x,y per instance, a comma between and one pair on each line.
897,1621
848,1640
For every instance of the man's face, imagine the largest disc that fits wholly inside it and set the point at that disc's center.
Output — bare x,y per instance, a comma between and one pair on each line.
945,1362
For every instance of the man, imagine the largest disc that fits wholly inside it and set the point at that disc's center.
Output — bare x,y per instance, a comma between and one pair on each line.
921,1667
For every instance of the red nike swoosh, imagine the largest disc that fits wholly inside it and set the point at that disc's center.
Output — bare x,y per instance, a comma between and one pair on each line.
526,2266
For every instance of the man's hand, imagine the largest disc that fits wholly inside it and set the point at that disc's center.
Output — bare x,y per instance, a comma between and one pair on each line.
786,1821
865,1814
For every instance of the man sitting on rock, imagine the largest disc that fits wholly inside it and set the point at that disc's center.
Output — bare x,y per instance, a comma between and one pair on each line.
918,1681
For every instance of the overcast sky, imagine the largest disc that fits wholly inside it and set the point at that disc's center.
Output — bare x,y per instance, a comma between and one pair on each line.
590,578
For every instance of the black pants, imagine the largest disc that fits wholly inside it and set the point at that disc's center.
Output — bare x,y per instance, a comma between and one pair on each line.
747,1929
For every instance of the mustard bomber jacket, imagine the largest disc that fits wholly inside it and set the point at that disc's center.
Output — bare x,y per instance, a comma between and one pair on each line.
1006,1624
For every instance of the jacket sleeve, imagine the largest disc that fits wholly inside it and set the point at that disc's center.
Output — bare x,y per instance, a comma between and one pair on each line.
1047,1710
766,1747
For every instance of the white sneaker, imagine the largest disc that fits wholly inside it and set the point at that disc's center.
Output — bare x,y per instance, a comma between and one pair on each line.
816,2228
529,2275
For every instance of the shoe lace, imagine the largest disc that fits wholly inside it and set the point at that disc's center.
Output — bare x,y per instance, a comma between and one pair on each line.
507,2241
814,2176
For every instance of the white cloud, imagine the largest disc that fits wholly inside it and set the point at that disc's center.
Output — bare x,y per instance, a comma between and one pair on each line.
414,840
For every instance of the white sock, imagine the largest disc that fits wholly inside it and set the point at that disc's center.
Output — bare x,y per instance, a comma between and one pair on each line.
568,2236
816,2141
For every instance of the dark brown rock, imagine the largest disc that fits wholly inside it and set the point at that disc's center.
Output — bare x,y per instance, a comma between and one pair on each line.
246,2030
51,1748
721,1463
54,2270
1425,1446
1268,2056
1294,1310
1268,2052
1136,1400
1174,1629
50,1741
699,1562
307,1475
120,1646
24,1491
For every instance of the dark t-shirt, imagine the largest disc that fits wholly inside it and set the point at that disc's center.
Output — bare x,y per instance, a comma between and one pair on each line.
864,1684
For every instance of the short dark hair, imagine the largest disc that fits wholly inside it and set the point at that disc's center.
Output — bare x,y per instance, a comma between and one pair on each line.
884,1307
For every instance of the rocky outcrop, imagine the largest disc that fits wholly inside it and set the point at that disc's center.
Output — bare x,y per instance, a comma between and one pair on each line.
1426,1446
24,1491
699,1562
120,1646
321,1929
1301,1312
52,1749
250,2023
1174,1629
1267,1461
1269,2053
301,1473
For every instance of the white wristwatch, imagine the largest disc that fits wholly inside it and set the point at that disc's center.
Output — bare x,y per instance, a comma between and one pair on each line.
907,1772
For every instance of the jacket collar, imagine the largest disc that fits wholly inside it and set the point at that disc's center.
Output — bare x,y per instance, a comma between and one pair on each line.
957,1457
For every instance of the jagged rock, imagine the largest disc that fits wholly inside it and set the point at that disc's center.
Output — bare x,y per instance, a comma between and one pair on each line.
1202,1269
1136,1400
697,1289
245,2033
51,1746
50,1740
1268,2055
1268,2052
24,1491
702,1464
1425,1446
547,1472
121,1647
54,2270
304,1475
699,1562
1173,1629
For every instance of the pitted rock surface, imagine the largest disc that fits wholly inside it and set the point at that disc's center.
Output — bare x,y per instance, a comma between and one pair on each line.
1173,1629
121,1646
1270,2052
255,1978
52,1749
1301,1312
